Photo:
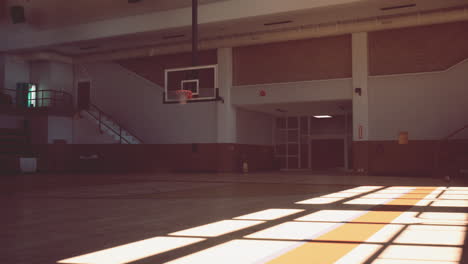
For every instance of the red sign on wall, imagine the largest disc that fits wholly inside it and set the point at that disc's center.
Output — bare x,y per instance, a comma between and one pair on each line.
360,133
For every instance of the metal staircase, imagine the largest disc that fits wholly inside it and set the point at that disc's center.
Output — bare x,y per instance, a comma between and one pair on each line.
108,125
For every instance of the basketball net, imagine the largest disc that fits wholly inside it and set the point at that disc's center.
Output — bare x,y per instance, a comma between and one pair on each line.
184,95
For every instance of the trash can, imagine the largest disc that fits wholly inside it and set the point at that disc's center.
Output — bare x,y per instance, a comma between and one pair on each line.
28,165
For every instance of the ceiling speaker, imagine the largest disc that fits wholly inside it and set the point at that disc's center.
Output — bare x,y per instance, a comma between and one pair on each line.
17,14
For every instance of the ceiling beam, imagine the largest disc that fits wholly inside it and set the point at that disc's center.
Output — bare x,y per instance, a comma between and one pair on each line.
22,37
305,32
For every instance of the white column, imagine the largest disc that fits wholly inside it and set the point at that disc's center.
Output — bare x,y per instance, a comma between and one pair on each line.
360,80
226,113
2,71
346,142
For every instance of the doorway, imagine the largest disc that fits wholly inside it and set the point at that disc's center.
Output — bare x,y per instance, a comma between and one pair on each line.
308,142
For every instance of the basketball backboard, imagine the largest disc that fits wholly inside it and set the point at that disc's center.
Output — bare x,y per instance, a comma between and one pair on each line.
202,81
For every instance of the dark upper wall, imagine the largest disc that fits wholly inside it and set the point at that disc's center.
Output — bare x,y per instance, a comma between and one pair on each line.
418,49
292,61
152,68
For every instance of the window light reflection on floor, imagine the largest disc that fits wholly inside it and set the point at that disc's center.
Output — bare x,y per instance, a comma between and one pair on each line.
294,231
429,234
238,251
338,196
450,203
458,188
359,255
454,196
217,228
269,214
320,200
332,216
413,254
364,201
132,251
456,192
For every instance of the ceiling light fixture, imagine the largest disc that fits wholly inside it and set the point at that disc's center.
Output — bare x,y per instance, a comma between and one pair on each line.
397,7
323,116
278,23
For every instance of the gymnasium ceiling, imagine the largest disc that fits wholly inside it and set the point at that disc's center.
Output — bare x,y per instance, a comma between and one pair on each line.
53,14
58,13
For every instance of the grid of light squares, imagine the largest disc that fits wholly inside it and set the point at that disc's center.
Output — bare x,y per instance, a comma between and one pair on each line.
338,196
410,233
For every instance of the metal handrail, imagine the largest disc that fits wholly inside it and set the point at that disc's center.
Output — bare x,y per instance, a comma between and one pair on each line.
445,140
119,133
54,97
456,132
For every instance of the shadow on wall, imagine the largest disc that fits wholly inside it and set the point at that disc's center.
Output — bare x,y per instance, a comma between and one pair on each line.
152,157
418,158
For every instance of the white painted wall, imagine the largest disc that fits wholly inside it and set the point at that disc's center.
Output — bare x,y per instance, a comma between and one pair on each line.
52,75
360,80
41,74
61,77
2,71
226,112
328,128
60,128
254,128
427,105
11,121
136,103
310,91
86,132
16,70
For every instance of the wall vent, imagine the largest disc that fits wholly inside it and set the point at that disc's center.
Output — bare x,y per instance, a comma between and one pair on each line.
278,23
397,7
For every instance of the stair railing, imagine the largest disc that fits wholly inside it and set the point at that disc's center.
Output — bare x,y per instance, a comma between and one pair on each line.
445,140
50,99
101,115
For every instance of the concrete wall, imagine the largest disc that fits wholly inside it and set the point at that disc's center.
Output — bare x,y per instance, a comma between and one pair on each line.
11,121
60,128
62,77
52,76
16,70
87,132
136,103
310,91
254,128
2,71
329,128
41,74
428,105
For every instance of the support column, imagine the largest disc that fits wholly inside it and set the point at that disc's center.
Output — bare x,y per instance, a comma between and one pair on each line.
2,71
360,101
226,113
346,142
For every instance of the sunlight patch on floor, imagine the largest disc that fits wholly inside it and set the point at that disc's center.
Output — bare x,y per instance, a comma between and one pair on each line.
217,229
269,214
133,251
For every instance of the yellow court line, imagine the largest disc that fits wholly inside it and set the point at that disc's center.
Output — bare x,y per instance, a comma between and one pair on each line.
323,253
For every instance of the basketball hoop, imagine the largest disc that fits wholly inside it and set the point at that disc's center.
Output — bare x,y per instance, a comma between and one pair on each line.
184,95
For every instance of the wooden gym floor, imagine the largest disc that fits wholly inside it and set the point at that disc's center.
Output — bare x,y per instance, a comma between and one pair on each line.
278,217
